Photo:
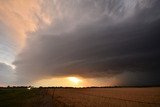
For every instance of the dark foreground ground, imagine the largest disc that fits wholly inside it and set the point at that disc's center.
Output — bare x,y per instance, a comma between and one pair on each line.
80,97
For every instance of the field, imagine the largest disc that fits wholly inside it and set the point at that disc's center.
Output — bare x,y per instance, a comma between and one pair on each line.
80,97
22,97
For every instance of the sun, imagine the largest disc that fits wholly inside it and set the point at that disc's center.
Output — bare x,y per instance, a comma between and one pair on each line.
74,80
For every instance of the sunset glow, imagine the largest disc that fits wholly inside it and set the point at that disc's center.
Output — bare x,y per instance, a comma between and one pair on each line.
74,80
79,42
56,53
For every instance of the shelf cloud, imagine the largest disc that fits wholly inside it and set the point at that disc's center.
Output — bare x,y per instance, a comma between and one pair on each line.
95,39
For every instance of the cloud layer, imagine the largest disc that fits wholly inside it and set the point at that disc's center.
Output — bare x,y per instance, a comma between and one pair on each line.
94,39
22,16
7,75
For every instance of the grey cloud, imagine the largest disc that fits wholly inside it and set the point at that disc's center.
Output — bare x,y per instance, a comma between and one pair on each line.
7,46
121,36
138,79
7,75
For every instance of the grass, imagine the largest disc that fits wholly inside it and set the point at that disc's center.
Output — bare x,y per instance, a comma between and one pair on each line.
19,97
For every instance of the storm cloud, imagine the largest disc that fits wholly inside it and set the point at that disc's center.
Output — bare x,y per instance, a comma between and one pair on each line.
94,39
7,75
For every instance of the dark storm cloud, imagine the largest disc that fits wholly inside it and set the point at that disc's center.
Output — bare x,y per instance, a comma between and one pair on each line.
109,38
139,78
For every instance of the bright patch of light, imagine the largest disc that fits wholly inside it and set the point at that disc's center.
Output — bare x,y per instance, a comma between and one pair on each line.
74,80
11,65
29,88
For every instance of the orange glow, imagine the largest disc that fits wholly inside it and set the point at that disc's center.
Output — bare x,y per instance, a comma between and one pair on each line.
74,80
19,17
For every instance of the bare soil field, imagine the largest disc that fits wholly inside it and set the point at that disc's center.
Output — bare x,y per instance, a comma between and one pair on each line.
80,97
106,97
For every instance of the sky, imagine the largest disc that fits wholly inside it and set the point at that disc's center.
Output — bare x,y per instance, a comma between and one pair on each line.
79,42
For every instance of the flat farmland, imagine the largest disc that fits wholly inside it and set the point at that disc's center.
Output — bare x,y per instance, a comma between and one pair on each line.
80,97
106,97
